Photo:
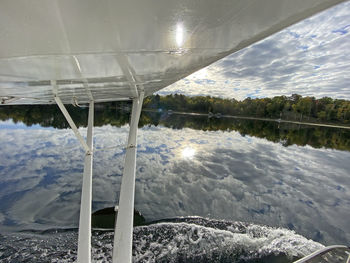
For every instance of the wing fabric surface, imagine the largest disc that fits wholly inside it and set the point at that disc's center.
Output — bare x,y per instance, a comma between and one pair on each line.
111,50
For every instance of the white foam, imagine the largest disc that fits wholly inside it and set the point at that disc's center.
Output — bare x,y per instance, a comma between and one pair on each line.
191,241
183,239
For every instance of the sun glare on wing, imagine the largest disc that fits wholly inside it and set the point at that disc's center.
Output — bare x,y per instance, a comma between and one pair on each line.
179,34
188,153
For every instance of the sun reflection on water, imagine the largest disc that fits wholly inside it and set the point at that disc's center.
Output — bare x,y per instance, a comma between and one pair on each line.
188,153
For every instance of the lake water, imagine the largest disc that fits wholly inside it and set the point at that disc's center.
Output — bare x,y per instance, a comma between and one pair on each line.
256,188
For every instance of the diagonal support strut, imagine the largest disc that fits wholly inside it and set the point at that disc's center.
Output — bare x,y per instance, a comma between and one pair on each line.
72,124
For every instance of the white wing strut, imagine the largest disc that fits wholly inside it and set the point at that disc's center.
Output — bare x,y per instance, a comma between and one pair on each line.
84,239
122,248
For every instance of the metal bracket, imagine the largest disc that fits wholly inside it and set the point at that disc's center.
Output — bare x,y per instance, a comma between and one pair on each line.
130,146
5,100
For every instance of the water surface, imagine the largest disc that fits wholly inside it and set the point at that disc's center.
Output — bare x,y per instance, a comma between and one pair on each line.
181,171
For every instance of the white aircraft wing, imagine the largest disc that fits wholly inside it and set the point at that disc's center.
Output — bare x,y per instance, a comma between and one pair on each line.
110,50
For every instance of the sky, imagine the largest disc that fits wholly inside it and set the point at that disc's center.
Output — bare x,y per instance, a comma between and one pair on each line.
310,58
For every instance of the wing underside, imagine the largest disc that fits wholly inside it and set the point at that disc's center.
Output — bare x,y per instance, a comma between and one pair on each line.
111,50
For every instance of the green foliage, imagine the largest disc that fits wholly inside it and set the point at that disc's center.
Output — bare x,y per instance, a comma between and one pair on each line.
155,113
294,107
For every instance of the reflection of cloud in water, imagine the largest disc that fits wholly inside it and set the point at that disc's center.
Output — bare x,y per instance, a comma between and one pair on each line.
230,177
258,181
2,218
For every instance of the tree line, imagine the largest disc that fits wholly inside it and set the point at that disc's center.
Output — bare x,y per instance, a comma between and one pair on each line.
294,107
118,114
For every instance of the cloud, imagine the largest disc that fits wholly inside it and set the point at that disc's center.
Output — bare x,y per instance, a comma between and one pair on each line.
310,58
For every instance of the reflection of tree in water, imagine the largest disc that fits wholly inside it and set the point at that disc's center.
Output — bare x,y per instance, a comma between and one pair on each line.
285,133
115,115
